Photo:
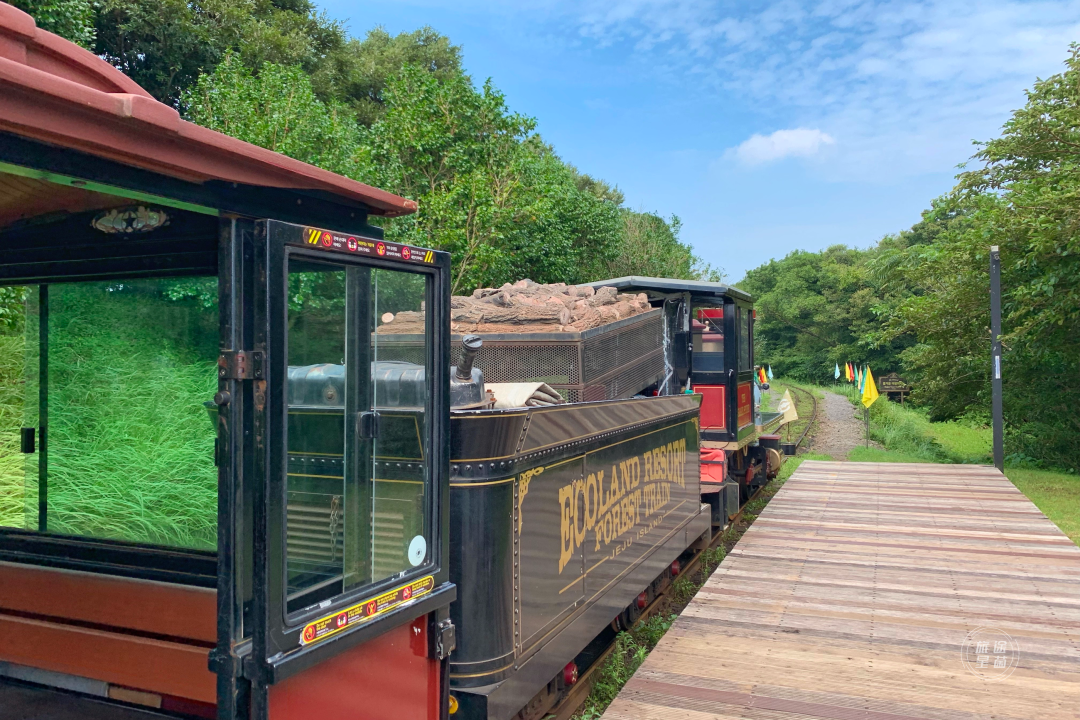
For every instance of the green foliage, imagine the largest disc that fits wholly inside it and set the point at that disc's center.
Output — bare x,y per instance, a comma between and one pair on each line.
365,67
12,306
631,649
278,110
164,45
489,190
1023,198
70,19
650,246
818,309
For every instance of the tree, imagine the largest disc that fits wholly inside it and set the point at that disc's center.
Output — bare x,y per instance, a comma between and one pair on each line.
818,309
490,191
70,19
278,110
650,246
362,70
1022,198
164,45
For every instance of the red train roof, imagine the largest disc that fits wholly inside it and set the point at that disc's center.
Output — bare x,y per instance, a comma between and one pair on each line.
54,91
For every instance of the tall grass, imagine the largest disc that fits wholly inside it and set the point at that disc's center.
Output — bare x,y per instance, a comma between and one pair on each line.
907,430
130,447
12,462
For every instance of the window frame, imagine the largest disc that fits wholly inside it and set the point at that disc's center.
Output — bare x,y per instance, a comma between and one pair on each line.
111,556
277,636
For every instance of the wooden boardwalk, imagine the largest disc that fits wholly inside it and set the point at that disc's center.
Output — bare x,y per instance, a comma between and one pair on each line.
859,594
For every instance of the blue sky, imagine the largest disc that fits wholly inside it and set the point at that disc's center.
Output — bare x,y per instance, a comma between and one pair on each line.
767,127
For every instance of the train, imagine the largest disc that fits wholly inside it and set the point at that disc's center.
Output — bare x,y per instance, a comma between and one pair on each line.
356,532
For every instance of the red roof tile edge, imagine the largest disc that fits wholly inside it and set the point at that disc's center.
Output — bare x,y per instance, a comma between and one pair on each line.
54,91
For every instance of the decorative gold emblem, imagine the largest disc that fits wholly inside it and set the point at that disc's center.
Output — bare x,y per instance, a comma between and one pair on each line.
523,490
128,220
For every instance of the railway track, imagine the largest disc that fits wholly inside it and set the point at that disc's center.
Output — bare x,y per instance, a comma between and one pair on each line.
813,413
575,698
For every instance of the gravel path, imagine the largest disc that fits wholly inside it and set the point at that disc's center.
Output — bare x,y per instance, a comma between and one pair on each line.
840,428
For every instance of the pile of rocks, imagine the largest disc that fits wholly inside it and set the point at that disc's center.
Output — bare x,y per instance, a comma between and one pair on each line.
528,307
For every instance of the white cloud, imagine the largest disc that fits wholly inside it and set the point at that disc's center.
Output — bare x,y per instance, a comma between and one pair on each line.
800,142
907,83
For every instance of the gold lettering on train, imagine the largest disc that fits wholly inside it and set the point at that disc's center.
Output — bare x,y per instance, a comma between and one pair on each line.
610,504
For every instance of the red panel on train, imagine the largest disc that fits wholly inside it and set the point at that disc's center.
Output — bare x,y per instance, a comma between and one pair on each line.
746,404
713,406
389,677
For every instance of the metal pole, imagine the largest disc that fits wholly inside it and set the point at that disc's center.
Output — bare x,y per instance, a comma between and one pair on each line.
866,414
995,352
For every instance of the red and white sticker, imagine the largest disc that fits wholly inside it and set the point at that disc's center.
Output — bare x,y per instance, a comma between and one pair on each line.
358,614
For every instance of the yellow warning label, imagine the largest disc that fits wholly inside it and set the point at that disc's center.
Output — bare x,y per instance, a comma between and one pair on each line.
362,612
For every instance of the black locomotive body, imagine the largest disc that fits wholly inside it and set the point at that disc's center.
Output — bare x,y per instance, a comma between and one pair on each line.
560,517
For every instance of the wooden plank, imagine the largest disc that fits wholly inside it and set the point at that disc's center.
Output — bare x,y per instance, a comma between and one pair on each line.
854,594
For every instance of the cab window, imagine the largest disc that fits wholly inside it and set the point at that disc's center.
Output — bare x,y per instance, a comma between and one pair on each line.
106,422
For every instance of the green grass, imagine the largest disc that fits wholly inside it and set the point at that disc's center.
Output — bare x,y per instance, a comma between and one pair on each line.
12,462
130,444
631,649
908,431
872,454
1056,494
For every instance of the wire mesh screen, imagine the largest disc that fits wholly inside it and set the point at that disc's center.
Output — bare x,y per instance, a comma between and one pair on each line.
606,363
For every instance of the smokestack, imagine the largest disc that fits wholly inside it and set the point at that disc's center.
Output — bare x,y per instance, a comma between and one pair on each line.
470,345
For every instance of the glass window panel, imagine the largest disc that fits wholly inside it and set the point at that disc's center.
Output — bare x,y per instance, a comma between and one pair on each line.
356,505
18,406
744,339
317,386
128,452
400,523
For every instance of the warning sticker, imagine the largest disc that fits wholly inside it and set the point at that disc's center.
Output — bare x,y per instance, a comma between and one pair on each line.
357,614
327,240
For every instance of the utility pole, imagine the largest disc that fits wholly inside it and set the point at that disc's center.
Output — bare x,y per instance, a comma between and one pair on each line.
995,353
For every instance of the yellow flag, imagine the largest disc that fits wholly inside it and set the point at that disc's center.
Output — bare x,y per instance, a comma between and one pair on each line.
787,407
869,393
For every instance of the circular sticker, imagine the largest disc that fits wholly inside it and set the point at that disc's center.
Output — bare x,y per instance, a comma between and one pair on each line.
352,244
417,550
380,248
327,239
406,252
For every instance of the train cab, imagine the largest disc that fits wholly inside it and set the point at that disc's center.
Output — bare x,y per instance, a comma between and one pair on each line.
709,350
218,497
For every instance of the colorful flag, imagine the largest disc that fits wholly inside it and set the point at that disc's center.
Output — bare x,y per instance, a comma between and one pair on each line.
848,372
761,375
770,372
836,372
870,393
861,375
787,407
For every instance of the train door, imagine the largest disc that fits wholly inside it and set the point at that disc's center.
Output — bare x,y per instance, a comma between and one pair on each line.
350,573
739,349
